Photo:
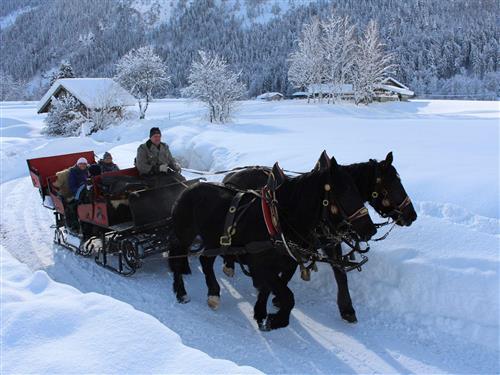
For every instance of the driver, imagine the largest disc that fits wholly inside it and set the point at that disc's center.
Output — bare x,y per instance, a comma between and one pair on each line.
154,157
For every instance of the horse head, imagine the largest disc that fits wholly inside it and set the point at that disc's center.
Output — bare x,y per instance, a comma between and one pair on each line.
389,197
343,203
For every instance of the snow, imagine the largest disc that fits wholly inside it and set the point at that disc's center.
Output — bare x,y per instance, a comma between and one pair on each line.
327,88
92,92
397,90
269,95
86,333
427,301
10,18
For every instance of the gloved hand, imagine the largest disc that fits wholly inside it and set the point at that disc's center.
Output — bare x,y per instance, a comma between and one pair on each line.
164,168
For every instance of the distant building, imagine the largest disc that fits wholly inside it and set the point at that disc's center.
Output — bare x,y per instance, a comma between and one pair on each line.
270,96
91,93
390,86
300,95
389,90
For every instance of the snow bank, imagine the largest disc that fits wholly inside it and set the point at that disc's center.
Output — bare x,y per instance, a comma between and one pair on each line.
48,327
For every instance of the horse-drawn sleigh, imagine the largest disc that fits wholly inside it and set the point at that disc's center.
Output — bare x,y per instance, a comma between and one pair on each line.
260,217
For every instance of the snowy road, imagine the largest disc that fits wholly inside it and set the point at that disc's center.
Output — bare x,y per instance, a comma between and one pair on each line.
317,341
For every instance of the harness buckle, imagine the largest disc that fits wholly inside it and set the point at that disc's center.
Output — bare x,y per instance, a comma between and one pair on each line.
225,240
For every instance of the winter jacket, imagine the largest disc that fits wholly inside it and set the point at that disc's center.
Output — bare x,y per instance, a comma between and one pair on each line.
108,167
77,178
150,157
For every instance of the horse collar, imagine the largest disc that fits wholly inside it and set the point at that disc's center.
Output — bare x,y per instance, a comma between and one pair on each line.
270,212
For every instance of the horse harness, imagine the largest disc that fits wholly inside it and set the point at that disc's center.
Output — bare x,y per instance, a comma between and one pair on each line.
269,206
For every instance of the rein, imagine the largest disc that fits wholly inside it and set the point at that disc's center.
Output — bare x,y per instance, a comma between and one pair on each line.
236,169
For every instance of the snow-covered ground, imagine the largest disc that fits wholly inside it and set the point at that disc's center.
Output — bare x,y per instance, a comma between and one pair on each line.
427,301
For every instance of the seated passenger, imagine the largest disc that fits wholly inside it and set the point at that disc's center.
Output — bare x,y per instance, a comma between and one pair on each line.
106,163
78,176
154,157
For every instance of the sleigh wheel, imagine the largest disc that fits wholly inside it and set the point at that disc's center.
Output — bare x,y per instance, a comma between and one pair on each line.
130,255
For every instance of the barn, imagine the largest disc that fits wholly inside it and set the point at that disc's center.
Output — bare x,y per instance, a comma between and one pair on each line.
92,94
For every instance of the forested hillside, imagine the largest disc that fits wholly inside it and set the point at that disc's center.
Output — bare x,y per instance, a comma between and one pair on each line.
441,47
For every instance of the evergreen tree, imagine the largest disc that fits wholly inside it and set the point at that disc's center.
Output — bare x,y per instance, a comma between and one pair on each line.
10,89
65,71
64,117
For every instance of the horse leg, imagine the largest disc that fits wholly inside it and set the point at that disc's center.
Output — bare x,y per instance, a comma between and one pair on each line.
207,265
285,276
228,267
179,289
260,308
286,299
343,296
179,264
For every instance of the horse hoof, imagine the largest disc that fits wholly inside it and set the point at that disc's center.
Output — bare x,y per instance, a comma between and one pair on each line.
229,272
350,317
273,322
183,299
213,302
264,326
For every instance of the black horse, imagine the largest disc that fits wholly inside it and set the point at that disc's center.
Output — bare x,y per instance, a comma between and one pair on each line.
379,184
301,202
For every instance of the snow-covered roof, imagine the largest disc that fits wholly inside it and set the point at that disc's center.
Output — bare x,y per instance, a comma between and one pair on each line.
397,90
327,88
388,80
300,93
268,95
91,92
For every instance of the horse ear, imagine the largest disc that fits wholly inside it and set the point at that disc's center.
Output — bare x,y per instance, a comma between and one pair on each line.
333,163
276,178
323,162
389,158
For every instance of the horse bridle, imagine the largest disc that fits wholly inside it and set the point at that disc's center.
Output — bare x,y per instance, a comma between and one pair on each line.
380,193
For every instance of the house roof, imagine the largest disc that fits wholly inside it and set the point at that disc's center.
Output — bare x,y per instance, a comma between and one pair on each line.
327,88
397,90
268,95
388,84
395,82
91,92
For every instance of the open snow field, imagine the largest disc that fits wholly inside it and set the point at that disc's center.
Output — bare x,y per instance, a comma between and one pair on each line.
427,301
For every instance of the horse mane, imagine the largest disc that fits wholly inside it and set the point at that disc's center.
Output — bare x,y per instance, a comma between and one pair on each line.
364,176
300,197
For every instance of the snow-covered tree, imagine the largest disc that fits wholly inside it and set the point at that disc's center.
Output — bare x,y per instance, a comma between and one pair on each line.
65,71
307,62
339,45
141,71
105,113
212,82
64,117
10,89
372,64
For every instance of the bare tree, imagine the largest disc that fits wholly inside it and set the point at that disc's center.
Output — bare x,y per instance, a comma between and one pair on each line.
212,82
372,64
141,71
339,45
307,63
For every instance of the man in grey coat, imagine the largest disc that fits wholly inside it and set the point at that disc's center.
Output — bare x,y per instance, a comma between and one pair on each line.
154,157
